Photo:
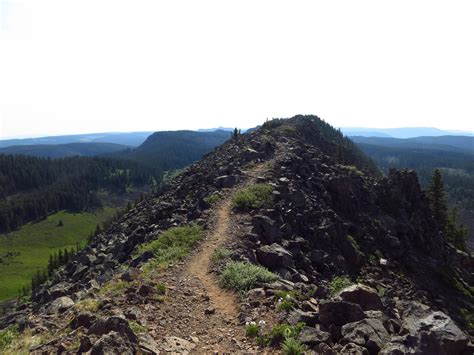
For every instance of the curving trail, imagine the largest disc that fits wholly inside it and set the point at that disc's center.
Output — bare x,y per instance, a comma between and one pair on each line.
222,300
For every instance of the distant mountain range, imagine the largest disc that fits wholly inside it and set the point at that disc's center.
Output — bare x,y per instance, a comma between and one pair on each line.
133,139
460,144
64,150
403,132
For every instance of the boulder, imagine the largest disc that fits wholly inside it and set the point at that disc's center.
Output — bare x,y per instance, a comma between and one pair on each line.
60,304
369,333
340,313
312,336
353,349
298,316
427,332
226,181
115,324
113,343
266,229
274,256
85,320
363,295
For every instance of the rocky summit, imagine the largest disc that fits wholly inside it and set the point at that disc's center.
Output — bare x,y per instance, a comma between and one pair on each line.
285,239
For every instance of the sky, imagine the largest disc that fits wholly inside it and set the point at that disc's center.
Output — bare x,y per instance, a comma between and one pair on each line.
91,66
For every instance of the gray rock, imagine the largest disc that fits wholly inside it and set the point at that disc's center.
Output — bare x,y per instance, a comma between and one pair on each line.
113,343
427,332
115,324
85,320
226,181
340,313
298,316
369,333
274,256
60,305
363,295
353,349
267,229
312,336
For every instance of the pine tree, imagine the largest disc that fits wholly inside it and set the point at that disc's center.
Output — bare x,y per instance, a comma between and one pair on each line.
437,196
456,235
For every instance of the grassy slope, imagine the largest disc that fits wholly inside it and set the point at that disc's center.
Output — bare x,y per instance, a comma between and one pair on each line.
36,241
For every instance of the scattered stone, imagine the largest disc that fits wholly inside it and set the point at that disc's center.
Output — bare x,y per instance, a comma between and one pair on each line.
312,336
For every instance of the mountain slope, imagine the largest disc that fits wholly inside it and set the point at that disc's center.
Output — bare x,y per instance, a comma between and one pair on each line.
402,132
315,224
170,150
64,150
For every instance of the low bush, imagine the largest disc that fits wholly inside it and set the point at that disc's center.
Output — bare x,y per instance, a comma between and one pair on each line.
242,276
220,254
253,197
280,333
213,199
7,336
173,245
338,283
292,346
252,330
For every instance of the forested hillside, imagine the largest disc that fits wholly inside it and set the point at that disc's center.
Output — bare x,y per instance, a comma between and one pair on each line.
31,188
457,167
175,149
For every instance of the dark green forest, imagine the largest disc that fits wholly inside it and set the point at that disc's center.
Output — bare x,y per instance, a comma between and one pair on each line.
31,188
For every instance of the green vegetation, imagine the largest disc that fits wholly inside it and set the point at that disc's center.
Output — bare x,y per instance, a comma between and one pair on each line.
286,304
280,333
137,328
213,199
220,254
242,276
338,283
26,251
253,197
354,243
291,346
161,289
252,329
7,336
87,305
173,245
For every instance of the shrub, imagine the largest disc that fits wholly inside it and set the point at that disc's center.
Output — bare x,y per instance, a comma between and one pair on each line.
252,330
242,276
220,254
137,328
7,336
87,305
173,245
287,304
279,333
213,199
292,346
338,283
161,289
253,197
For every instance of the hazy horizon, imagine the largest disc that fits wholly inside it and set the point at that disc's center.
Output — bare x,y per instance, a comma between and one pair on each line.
75,67
355,128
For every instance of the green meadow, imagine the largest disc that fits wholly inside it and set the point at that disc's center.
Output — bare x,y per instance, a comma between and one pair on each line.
27,250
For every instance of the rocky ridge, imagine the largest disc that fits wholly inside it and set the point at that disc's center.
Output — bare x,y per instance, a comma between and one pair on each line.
362,266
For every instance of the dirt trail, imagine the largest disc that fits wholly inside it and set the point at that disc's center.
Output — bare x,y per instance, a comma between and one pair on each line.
223,301
200,317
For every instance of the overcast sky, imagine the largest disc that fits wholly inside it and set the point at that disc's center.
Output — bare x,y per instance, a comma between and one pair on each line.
111,65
